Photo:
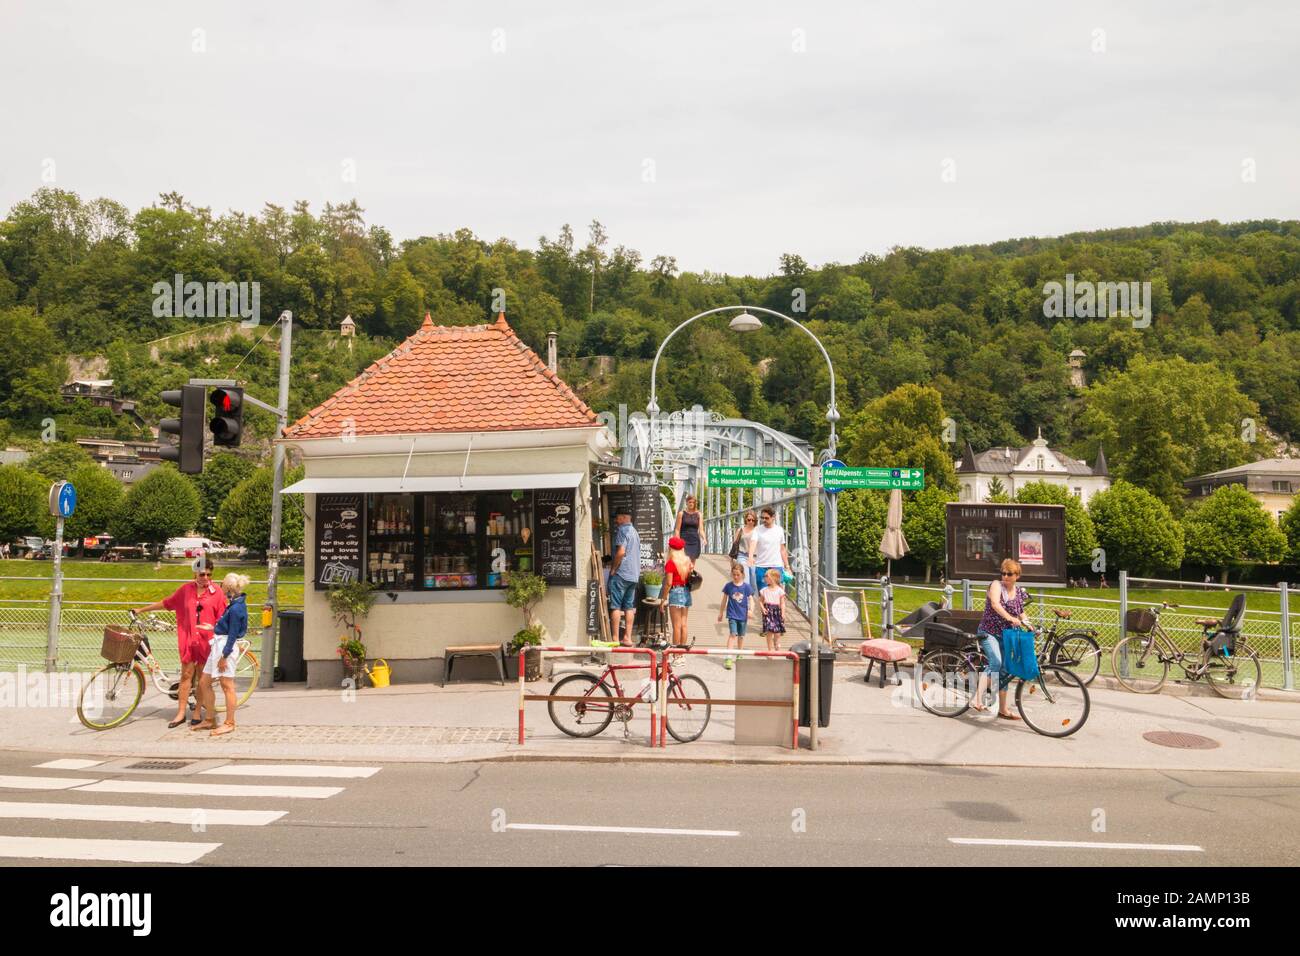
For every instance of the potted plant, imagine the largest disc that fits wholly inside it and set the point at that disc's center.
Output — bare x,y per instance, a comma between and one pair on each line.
525,592
654,582
351,603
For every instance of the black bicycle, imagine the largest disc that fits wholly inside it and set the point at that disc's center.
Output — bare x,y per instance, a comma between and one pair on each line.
1055,703
1076,651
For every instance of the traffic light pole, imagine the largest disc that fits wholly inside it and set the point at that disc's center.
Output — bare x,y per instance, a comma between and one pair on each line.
281,412
273,552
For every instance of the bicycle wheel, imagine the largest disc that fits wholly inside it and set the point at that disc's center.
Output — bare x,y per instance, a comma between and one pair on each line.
110,696
248,669
1056,704
580,718
1237,677
947,683
1080,654
1137,664
685,717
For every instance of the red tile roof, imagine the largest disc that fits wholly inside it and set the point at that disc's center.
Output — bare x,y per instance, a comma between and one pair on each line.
449,379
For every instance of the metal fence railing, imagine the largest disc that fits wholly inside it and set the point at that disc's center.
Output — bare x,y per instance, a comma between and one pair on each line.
24,629
1274,634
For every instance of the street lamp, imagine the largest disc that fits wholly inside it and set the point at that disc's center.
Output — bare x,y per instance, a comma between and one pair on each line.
746,322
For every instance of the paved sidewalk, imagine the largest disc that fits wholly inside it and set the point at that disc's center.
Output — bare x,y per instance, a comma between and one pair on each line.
870,725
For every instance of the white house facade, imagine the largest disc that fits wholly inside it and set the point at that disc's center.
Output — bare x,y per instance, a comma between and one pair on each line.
1016,467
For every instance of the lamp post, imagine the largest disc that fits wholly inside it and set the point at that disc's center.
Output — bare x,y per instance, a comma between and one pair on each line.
747,322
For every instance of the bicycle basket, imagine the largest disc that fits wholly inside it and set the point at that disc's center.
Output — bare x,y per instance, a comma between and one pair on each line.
119,646
1139,621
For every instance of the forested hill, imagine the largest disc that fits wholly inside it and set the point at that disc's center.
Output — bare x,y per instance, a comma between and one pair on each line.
968,324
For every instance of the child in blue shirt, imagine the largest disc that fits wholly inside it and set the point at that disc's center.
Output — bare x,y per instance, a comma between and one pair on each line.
735,607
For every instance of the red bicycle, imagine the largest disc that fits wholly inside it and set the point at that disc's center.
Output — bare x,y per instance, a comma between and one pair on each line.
598,700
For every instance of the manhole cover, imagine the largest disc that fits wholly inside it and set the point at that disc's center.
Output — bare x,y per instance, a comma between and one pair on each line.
158,765
1171,738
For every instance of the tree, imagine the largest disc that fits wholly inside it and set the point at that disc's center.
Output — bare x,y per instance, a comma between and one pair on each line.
1230,527
925,523
57,460
1136,530
163,504
22,502
1169,420
245,516
221,473
99,495
1290,525
1080,536
861,526
997,491
902,429
32,366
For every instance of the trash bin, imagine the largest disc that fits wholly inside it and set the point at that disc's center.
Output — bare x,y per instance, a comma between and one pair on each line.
290,666
825,683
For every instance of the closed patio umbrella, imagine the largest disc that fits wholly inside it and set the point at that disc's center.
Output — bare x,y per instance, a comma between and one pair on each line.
892,545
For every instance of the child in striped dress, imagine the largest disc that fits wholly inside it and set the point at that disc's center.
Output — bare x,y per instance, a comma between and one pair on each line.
773,596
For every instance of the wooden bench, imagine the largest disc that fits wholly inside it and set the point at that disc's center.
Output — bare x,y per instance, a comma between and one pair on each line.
472,650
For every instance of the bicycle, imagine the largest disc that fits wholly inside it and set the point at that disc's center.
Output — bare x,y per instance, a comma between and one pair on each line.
1140,662
1055,704
1077,651
595,701
114,691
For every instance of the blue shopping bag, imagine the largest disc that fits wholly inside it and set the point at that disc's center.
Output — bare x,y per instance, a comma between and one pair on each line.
1018,656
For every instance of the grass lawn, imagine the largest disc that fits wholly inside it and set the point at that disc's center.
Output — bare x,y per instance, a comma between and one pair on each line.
145,582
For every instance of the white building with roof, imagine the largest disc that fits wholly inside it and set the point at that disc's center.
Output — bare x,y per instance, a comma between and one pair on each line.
1016,467
1273,481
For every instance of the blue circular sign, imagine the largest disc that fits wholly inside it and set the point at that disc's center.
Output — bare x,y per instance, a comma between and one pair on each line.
832,463
67,499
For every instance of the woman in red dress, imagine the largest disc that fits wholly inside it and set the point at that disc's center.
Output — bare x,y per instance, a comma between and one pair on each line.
197,606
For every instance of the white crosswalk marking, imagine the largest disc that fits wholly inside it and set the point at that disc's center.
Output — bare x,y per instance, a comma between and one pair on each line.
69,764
289,770
9,782
207,789
118,821
118,813
106,851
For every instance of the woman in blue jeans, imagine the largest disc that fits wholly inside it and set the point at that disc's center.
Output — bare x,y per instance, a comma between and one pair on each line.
1004,608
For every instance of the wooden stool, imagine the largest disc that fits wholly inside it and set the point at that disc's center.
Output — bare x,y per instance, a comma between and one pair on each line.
656,620
472,650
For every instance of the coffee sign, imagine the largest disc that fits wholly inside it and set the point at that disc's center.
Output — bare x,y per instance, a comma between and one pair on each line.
339,523
555,528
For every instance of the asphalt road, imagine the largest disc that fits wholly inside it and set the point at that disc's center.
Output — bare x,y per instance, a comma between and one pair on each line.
715,815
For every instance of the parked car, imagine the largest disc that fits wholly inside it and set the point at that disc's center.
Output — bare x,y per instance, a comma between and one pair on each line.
186,547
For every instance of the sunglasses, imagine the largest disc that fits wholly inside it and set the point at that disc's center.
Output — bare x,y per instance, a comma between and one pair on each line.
1011,574
205,574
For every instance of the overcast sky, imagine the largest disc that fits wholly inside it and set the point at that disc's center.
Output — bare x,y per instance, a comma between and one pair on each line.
721,133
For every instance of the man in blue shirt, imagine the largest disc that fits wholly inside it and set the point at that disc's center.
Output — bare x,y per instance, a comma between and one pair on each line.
624,573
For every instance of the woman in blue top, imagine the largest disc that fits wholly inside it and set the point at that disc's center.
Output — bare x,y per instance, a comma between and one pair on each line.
232,626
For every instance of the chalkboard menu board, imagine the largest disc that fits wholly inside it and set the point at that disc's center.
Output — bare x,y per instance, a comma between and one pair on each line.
555,528
340,520
643,502
593,608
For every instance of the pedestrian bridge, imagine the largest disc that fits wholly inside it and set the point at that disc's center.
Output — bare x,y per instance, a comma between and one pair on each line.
677,450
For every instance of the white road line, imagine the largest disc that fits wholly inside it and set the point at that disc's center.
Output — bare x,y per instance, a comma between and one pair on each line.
1082,845
114,813
661,831
289,770
43,783
207,789
116,851
69,763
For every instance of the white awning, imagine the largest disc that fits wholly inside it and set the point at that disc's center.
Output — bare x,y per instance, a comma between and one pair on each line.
412,483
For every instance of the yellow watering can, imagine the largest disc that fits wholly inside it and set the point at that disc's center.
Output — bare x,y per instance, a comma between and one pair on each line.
379,677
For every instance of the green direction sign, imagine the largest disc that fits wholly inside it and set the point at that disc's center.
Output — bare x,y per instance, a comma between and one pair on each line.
907,479
742,476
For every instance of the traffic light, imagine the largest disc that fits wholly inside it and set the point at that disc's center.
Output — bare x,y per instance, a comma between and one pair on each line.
188,429
227,423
